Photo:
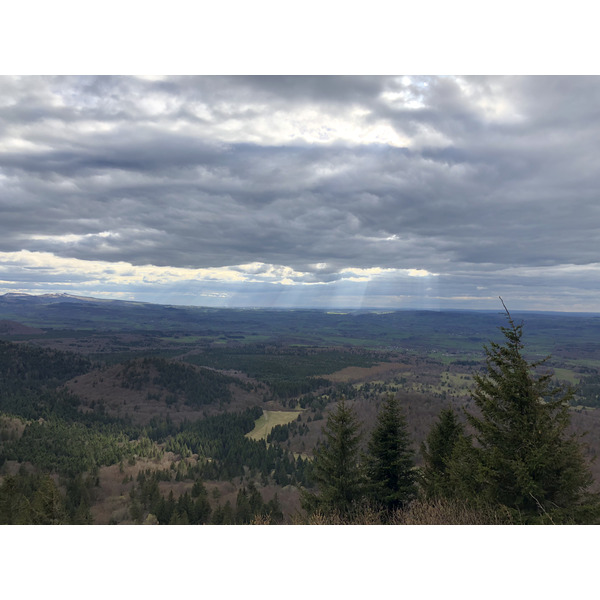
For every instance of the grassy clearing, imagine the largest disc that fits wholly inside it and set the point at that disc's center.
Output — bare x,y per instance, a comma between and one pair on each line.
452,383
269,419
447,358
11,428
567,375
255,338
458,380
443,358
355,374
186,339
583,362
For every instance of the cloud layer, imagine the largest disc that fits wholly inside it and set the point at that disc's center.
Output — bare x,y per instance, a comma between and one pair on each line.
307,191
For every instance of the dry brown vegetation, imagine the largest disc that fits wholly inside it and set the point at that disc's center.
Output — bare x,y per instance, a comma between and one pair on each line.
14,328
419,512
97,343
11,428
111,496
383,370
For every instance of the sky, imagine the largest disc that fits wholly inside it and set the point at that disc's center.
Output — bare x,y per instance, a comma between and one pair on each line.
303,191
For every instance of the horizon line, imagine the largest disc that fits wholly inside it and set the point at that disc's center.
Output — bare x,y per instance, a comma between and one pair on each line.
345,309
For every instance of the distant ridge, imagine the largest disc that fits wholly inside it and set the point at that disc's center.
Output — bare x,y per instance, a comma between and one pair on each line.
22,298
14,328
46,298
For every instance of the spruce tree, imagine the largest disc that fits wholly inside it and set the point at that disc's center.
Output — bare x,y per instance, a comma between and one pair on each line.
389,463
336,469
527,461
437,452
48,506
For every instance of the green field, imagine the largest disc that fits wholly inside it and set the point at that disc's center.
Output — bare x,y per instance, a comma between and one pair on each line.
269,419
567,375
192,339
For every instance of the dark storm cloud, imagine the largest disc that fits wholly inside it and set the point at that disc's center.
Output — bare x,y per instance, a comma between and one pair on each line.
249,201
476,179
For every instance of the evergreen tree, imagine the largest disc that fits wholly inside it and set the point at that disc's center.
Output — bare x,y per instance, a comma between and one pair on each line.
136,510
243,511
217,516
228,515
48,506
15,508
336,469
526,460
273,510
83,515
437,451
390,459
202,510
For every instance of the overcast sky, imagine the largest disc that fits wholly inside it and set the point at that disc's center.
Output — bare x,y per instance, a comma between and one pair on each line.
333,192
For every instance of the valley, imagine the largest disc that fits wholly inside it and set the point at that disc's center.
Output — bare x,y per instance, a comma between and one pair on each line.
147,413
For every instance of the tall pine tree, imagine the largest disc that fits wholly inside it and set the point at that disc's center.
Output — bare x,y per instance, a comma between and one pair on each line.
389,463
526,460
437,452
336,469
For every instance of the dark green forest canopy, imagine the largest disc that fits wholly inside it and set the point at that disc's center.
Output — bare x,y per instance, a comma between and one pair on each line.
23,366
288,371
197,386
272,362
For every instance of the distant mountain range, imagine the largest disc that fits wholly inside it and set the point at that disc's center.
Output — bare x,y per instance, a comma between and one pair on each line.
20,298
66,311
571,335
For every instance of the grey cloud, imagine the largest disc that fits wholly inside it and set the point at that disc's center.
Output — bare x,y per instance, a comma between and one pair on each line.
492,190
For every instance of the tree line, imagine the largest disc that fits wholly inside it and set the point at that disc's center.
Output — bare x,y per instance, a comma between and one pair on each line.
146,502
289,372
36,499
514,459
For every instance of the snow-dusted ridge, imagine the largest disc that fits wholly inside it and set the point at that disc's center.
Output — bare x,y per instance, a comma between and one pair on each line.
49,298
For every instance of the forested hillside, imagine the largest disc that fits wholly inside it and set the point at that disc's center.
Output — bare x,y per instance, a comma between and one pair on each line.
215,425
